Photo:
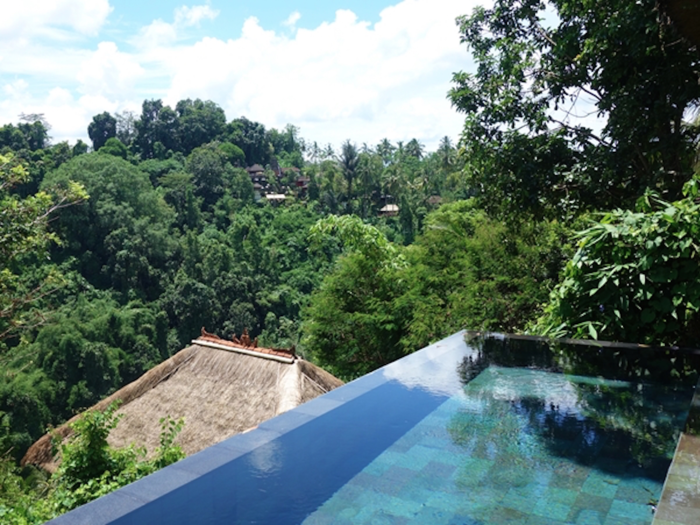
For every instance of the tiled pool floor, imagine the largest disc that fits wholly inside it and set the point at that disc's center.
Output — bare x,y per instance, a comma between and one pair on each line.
477,461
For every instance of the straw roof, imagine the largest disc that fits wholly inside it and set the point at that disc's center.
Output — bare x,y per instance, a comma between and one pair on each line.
221,388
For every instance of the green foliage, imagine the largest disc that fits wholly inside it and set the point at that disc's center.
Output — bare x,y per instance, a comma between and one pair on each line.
89,468
102,128
351,325
91,347
465,271
199,122
251,138
470,271
113,146
168,452
208,166
633,278
87,455
121,236
24,241
526,152
233,153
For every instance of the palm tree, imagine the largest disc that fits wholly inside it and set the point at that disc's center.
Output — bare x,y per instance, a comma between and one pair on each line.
446,153
385,150
415,149
349,159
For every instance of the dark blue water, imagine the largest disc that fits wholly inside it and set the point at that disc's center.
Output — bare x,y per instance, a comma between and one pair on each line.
287,479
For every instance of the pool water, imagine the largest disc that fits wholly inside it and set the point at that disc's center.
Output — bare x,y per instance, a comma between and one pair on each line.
527,446
484,429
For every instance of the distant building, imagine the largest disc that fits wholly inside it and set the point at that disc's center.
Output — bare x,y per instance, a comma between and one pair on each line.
275,198
390,210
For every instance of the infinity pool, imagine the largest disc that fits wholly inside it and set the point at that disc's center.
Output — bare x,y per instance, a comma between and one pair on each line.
483,430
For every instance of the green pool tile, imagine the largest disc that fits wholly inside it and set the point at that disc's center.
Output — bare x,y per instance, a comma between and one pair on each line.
565,496
504,478
638,492
508,516
600,485
472,471
445,502
319,519
415,492
402,474
533,519
418,457
588,517
438,468
631,511
590,502
481,498
564,482
551,509
392,483
430,516
436,477
378,467
517,501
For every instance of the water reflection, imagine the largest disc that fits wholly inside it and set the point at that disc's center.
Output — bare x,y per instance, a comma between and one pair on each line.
611,409
267,459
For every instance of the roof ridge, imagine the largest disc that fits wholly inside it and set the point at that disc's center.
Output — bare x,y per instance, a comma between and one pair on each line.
245,345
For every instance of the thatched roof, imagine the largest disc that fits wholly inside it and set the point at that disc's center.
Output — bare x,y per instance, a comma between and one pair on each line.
221,388
255,168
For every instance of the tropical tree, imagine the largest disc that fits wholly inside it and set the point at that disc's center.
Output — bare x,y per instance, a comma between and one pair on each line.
102,128
24,242
200,122
352,326
415,149
348,161
634,277
619,60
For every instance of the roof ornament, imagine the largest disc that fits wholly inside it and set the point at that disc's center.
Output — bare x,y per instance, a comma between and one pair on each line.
244,341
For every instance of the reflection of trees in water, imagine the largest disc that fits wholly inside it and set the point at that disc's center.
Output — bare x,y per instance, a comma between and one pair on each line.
619,427
496,433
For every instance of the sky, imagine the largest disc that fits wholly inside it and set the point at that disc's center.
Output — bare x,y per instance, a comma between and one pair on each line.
352,69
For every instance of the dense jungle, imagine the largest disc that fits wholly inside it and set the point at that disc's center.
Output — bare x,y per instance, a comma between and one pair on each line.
115,254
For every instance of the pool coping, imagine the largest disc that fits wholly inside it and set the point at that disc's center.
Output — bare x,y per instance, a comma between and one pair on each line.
680,497
120,503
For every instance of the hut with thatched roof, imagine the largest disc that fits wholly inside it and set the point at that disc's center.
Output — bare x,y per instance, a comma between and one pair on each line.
219,387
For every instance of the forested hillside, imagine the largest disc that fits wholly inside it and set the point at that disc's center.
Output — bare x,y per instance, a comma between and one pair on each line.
114,255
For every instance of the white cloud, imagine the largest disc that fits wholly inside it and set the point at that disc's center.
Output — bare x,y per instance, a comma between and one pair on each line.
292,19
109,72
346,78
191,16
343,79
51,18
160,33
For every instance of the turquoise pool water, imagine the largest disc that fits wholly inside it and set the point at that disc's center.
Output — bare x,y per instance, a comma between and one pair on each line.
476,429
524,446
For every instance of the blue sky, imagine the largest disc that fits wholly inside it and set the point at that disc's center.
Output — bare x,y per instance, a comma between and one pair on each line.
354,69
134,14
